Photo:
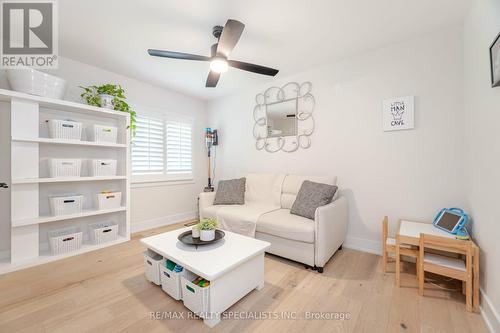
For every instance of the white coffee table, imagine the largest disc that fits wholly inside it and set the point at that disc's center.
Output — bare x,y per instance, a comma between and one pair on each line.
234,266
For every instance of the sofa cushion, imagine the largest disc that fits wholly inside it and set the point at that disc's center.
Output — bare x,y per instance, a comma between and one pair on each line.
211,211
292,184
230,192
263,189
311,196
285,225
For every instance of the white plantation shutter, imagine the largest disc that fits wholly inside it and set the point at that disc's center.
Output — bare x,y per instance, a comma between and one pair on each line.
148,150
178,147
161,149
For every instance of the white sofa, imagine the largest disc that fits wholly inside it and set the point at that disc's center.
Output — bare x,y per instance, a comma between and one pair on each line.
268,199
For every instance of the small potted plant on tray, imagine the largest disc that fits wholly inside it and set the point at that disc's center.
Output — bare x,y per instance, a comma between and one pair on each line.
207,229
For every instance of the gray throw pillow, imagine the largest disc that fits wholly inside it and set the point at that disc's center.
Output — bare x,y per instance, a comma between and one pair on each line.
230,192
311,196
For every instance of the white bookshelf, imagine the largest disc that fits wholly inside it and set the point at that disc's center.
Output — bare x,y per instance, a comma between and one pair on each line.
24,207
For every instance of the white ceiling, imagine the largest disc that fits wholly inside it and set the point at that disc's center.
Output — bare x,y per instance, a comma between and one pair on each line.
290,35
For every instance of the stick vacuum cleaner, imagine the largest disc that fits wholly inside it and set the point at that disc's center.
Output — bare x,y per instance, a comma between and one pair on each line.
211,139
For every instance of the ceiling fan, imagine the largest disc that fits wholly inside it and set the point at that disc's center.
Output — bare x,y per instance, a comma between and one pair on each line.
227,37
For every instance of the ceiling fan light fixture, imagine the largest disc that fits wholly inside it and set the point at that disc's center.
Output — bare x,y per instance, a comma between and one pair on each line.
219,65
227,38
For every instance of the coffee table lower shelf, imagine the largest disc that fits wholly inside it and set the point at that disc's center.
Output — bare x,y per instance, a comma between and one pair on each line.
234,266
225,290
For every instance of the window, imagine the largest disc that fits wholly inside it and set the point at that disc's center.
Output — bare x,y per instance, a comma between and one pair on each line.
178,147
161,149
148,152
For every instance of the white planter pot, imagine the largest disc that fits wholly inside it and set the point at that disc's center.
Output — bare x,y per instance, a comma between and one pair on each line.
106,101
196,232
207,235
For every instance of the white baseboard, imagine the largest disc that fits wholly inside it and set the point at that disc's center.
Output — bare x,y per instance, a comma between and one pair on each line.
365,245
489,313
162,221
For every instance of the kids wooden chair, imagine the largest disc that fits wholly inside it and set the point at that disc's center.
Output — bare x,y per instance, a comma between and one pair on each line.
446,266
389,246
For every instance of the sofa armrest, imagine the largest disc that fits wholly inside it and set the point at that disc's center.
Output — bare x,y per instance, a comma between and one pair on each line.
206,199
330,230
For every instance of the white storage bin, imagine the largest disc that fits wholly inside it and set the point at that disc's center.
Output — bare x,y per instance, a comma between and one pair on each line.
65,129
66,205
59,167
109,200
102,168
65,240
195,298
103,133
102,232
152,262
171,281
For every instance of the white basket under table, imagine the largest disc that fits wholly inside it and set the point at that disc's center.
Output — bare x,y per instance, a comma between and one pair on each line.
234,267
195,298
171,281
152,263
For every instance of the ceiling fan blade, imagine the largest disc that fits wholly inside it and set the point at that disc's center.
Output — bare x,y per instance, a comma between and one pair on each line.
252,68
212,79
177,55
230,35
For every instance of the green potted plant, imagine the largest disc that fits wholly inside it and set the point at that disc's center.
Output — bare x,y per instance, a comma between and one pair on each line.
110,96
207,229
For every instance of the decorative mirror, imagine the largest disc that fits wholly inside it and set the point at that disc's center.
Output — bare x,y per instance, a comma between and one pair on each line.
283,118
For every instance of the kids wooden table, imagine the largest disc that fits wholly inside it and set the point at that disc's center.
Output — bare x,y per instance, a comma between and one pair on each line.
409,234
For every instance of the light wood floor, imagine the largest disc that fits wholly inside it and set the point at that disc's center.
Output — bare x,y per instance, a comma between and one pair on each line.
105,291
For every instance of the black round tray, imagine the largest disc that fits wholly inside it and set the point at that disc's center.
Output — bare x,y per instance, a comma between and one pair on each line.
187,238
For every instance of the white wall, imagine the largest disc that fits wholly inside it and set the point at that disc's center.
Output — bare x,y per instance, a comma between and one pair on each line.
149,205
401,174
482,147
